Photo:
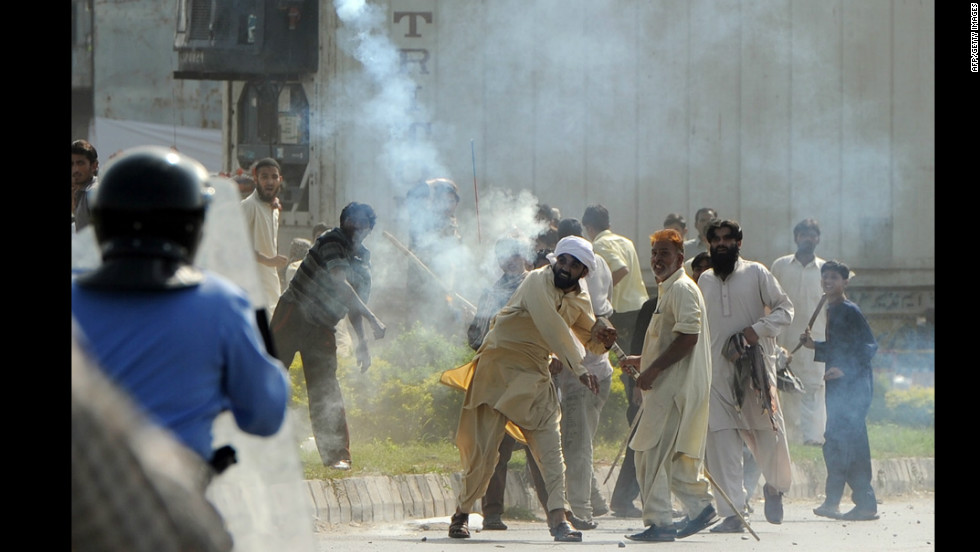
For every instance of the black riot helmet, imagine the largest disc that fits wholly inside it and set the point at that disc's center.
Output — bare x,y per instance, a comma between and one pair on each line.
148,213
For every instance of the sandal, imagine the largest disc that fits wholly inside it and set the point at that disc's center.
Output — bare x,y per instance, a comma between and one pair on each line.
459,526
563,533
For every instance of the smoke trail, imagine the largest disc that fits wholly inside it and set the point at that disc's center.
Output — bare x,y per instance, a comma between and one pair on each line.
390,107
383,102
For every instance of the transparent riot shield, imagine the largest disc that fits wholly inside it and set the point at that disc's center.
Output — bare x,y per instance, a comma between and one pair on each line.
263,497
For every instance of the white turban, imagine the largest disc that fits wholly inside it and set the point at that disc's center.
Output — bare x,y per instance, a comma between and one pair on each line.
577,247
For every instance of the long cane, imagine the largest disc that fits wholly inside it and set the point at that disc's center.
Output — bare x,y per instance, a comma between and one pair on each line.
813,318
620,354
408,252
729,501
622,448
476,194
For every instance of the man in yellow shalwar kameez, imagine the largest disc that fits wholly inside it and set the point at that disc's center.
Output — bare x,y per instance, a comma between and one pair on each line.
549,314
675,379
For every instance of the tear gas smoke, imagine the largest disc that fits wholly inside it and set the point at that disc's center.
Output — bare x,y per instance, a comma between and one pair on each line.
385,104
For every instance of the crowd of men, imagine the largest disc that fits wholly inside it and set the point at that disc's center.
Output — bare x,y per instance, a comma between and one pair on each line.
698,359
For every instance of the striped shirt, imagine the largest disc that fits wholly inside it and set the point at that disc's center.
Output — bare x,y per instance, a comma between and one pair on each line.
314,292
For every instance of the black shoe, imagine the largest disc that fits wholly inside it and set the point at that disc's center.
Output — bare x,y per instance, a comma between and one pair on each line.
774,504
459,526
705,519
730,524
655,534
563,533
628,512
857,514
579,523
493,523
827,511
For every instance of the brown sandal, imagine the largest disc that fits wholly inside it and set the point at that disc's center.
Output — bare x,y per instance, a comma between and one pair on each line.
459,526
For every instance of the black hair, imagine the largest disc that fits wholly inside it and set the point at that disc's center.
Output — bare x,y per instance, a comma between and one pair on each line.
706,210
806,224
355,208
596,216
83,147
266,162
570,227
719,223
838,267
701,257
675,218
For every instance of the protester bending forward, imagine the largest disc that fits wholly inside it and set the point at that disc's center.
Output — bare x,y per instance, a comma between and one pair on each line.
511,381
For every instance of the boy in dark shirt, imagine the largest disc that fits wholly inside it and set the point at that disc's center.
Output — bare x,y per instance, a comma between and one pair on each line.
847,355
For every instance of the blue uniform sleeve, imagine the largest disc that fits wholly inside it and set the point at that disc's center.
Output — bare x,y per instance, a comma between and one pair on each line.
256,385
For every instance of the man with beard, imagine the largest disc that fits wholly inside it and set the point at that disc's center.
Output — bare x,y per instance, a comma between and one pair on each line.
675,379
261,210
550,314
513,259
84,168
580,409
333,282
799,274
743,297
629,295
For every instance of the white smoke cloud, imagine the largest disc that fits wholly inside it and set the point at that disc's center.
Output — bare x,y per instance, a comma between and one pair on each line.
381,101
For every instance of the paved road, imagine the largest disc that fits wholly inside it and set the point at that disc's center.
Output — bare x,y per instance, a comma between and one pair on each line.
907,524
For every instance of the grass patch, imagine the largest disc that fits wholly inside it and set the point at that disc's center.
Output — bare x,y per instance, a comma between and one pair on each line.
886,440
403,421
389,458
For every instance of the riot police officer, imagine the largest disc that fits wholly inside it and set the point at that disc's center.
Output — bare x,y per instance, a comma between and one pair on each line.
181,340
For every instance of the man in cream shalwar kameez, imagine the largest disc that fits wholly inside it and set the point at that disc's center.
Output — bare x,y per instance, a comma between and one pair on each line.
675,379
511,380
743,296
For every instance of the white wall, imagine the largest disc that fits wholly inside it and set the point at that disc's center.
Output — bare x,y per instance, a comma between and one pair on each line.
770,111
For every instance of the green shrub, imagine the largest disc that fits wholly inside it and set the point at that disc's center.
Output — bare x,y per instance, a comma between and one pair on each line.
399,399
613,424
914,407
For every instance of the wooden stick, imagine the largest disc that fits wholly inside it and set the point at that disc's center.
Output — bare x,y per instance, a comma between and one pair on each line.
476,194
729,501
620,355
622,449
408,252
813,318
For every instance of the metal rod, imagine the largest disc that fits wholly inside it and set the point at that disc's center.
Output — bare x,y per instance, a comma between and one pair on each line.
476,194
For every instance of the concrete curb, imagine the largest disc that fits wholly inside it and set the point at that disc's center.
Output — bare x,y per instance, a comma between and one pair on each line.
401,497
